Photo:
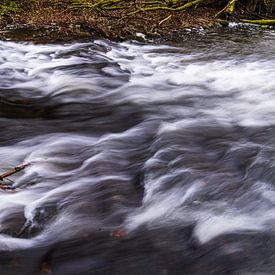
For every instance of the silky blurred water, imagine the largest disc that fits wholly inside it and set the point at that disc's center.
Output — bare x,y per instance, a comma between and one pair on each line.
145,158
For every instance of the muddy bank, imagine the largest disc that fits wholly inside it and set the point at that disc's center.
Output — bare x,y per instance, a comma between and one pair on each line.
57,26
54,23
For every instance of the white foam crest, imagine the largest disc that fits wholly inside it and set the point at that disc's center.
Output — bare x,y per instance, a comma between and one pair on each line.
162,207
32,50
224,76
44,153
52,195
162,77
262,219
29,66
211,219
8,243
22,198
212,226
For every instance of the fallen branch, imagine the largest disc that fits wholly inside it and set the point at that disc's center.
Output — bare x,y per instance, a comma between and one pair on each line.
270,22
11,172
165,19
228,9
14,170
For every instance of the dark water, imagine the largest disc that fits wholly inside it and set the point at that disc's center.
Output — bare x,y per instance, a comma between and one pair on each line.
145,159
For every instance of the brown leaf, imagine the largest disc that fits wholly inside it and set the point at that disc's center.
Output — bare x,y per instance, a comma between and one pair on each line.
45,269
119,233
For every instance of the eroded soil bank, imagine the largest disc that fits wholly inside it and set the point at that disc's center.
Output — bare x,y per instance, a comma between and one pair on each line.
53,23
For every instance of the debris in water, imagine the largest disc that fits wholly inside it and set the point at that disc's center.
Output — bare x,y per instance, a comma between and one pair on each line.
45,269
119,233
5,186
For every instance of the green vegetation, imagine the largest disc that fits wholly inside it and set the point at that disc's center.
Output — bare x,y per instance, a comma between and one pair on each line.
136,6
264,22
8,7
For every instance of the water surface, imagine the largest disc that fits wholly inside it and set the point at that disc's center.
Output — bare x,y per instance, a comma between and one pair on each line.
145,159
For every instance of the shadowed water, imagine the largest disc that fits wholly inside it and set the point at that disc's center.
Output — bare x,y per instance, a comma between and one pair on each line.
145,159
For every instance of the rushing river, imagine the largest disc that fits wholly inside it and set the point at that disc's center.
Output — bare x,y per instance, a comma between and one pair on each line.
145,159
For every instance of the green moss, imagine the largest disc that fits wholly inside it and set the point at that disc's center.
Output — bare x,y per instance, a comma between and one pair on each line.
268,22
230,7
8,7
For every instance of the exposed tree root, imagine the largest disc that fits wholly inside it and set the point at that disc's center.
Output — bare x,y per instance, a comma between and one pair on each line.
228,9
259,22
136,6
122,19
179,8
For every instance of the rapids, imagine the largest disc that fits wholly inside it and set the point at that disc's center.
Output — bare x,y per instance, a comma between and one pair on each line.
145,158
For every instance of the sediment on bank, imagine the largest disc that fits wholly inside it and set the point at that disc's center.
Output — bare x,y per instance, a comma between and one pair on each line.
52,20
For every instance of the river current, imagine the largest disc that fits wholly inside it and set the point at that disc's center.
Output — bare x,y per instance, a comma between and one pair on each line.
144,158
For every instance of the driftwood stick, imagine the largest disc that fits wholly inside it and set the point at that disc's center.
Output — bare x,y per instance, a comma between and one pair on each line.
13,171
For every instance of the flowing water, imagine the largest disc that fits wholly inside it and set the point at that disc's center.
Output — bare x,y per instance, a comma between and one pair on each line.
145,158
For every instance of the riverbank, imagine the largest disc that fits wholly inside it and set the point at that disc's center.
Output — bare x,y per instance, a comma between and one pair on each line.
51,23
55,24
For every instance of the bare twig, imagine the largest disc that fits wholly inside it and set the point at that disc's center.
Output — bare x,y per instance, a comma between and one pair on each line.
165,19
8,187
13,170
